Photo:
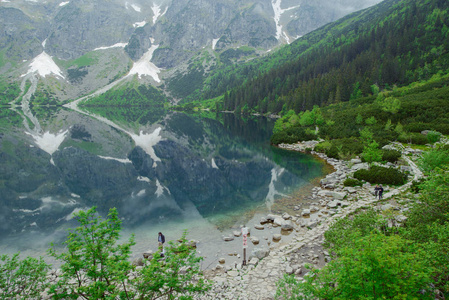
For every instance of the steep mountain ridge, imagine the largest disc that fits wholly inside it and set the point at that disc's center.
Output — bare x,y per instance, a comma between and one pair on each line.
393,43
175,30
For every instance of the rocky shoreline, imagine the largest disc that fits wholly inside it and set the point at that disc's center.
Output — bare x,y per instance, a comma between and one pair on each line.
330,202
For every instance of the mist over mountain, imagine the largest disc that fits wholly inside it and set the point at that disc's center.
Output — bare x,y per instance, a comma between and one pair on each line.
94,43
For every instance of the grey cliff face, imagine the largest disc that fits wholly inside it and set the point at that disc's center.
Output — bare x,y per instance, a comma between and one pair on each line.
20,35
81,26
178,30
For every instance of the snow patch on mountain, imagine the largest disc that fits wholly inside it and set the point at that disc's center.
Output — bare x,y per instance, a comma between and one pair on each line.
147,141
157,12
64,3
122,160
49,142
135,7
160,189
139,24
44,65
278,12
214,43
144,66
214,165
144,179
118,45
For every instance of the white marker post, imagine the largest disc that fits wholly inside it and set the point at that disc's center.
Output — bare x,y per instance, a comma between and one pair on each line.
245,243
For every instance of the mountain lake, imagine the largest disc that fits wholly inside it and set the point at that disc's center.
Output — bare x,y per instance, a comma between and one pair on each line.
164,171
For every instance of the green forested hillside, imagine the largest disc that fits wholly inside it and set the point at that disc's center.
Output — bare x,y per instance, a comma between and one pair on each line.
393,43
129,94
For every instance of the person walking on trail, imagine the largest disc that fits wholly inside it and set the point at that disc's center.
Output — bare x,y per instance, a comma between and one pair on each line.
376,190
381,190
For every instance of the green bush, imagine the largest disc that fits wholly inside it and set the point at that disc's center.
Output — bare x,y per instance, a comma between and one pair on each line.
332,152
345,146
381,175
291,135
22,279
416,185
433,136
352,182
94,266
375,267
323,146
413,138
435,158
282,138
391,155
416,127
442,127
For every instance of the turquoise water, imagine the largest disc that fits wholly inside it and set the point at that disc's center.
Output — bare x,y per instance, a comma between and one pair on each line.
164,171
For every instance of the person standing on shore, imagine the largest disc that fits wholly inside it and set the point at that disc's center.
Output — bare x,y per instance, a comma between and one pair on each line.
161,241
381,190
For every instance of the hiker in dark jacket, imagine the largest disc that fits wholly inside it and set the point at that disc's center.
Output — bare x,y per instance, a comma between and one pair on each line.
381,190
376,190
161,239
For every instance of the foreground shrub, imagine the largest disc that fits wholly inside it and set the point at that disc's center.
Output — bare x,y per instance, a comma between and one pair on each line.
96,267
391,155
24,279
344,232
375,267
432,208
428,223
352,182
178,274
381,175
435,158
93,261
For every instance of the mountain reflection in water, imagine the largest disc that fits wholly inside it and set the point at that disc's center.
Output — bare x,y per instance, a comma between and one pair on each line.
164,171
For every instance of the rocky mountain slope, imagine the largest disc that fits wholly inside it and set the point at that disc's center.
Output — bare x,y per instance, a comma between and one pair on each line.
89,44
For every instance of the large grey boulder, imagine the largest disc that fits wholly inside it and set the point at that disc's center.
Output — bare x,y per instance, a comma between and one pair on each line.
260,253
339,195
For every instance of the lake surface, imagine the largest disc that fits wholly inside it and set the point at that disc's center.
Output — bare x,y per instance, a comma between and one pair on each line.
164,171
